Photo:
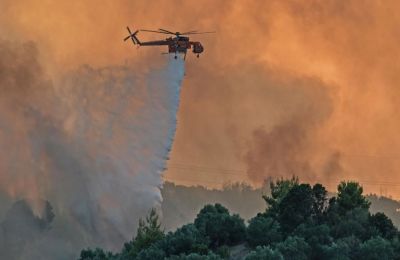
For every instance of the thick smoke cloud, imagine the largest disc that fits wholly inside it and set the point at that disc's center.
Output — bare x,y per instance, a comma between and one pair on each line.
349,48
93,145
286,148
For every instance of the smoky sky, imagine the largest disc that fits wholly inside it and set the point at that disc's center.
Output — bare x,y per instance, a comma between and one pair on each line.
240,84
283,88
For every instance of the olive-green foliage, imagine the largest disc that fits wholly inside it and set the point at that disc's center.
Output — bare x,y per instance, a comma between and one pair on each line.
97,254
279,189
149,232
342,249
382,225
223,252
185,240
150,253
299,223
350,197
353,222
215,222
316,236
262,253
319,202
263,231
376,248
194,256
300,203
294,248
296,207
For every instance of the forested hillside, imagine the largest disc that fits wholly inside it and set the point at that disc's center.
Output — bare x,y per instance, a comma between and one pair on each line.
181,204
299,221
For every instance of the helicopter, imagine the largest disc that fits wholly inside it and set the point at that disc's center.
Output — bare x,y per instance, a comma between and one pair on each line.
178,44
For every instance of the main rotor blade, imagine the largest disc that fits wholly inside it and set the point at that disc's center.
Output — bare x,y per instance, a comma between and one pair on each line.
154,31
166,31
188,32
196,33
127,38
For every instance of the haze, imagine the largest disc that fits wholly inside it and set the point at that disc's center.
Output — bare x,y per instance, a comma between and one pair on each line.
284,87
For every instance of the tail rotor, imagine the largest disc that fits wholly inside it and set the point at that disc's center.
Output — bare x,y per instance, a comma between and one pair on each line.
132,36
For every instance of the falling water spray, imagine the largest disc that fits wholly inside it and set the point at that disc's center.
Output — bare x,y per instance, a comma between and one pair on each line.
89,150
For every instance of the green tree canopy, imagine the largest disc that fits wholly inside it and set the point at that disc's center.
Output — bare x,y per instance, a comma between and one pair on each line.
279,189
263,231
383,225
294,248
263,253
185,240
297,224
148,232
376,248
215,222
350,196
296,207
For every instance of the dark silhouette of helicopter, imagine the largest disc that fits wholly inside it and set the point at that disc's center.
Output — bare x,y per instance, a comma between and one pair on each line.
178,44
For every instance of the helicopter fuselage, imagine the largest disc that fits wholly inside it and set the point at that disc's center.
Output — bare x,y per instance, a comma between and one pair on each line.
182,44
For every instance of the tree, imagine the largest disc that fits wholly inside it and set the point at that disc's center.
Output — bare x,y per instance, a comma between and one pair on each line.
383,225
353,223
262,253
195,256
316,236
342,249
350,197
294,248
97,254
296,207
148,232
320,202
215,222
185,240
376,248
278,192
298,224
263,231
348,213
150,253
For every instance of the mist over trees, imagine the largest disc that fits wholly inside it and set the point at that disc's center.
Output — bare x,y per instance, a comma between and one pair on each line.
181,203
299,221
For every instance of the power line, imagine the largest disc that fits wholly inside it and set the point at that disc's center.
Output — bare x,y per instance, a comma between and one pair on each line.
212,170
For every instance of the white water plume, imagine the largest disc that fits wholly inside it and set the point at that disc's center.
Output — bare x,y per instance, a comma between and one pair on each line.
93,146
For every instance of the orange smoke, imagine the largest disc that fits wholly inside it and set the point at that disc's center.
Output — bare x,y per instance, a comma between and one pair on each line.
326,69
